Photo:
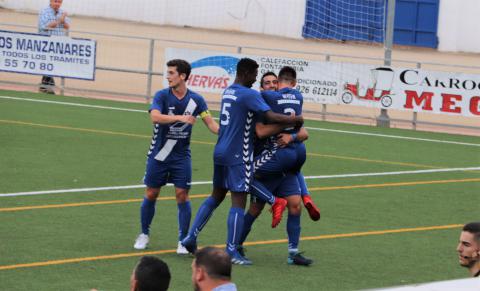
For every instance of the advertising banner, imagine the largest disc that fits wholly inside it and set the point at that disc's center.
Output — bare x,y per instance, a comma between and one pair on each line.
345,83
47,55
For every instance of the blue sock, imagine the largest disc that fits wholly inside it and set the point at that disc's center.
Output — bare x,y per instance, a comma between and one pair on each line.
203,215
184,216
261,192
303,184
293,231
248,221
147,211
235,227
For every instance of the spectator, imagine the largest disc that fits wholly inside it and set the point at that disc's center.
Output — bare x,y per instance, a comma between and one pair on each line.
212,270
469,248
52,21
150,274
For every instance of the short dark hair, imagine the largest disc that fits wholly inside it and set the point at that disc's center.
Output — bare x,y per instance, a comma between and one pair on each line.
152,274
287,74
183,67
217,262
246,66
473,228
269,73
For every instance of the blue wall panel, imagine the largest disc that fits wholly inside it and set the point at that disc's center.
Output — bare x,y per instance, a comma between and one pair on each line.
416,23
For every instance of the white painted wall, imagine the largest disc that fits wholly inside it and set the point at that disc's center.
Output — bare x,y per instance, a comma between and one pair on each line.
274,17
458,27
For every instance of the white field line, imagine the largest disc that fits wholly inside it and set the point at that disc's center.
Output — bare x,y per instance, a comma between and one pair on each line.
311,128
395,136
73,104
210,182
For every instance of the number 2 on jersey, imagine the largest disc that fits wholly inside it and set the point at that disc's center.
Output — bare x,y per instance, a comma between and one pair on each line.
289,111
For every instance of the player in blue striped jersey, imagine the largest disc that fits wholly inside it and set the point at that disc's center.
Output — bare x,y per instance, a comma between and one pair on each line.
233,155
173,113
278,169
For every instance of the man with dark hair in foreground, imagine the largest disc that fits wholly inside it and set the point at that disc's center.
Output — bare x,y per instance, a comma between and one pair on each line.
469,248
150,274
212,270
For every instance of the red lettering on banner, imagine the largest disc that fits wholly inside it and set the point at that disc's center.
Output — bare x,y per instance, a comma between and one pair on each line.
475,105
425,98
218,83
194,80
203,79
448,103
208,81
211,82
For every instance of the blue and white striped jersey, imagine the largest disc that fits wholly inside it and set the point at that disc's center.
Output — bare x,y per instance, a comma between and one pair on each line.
171,142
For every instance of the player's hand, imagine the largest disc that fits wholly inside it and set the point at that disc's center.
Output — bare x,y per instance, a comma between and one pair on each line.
298,121
283,139
187,119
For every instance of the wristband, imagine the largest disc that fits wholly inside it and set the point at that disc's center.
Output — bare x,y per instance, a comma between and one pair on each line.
294,137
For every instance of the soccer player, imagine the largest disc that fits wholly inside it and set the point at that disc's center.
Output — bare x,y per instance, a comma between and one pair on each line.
173,113
279,169
269,82
233,155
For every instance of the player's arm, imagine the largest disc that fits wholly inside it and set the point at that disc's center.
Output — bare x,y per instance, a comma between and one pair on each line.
211,124
286,138
265,130
157,117
288,120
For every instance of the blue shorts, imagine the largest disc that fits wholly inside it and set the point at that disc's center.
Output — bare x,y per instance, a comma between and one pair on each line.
282,187
160,173
235,178
283,160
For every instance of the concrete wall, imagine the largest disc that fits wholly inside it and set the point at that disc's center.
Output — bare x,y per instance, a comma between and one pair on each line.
274,17
457,25
458,28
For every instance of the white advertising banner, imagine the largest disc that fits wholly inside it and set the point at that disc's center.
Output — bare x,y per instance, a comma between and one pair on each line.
345,83
58,56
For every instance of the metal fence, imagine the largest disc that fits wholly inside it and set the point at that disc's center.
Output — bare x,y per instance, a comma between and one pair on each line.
130,67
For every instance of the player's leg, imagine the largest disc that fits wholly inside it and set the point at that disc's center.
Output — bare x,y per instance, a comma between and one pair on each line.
201,218
235,224
155,177
147,212
291,189
273,166
293,222
184,216
270,164
238,179
255,209
181,177
313,210
295,257
206,209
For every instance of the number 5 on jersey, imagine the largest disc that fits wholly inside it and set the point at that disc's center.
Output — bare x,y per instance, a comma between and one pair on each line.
225,113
